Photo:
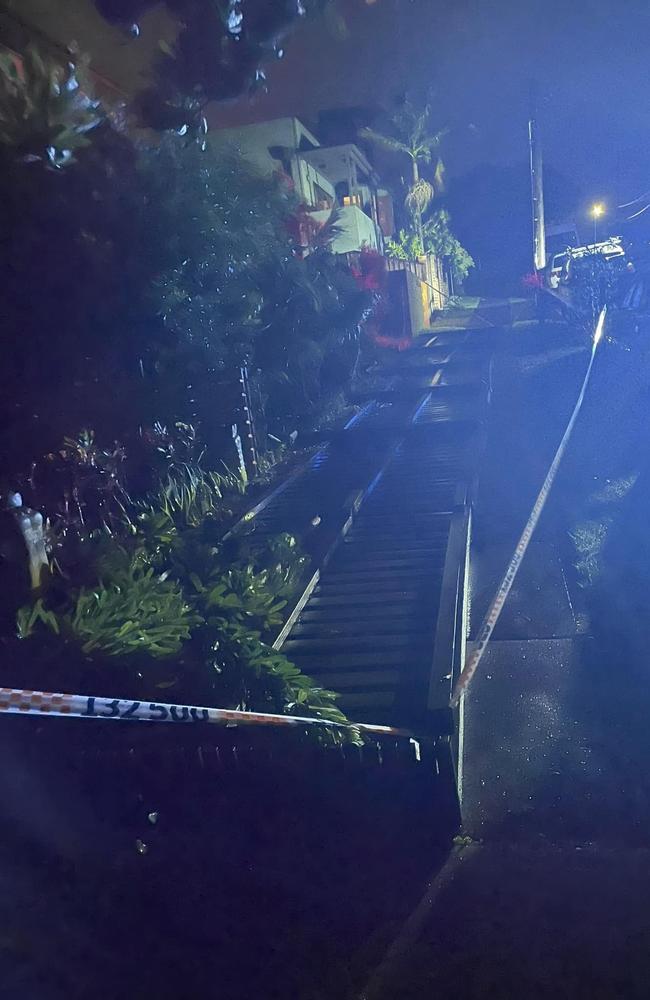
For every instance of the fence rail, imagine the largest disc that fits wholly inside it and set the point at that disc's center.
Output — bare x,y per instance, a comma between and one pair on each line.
428,270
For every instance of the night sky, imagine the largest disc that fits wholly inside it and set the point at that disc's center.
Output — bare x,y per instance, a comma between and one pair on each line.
591,59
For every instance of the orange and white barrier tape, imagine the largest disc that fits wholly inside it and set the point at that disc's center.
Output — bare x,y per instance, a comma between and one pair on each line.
496,607
22,702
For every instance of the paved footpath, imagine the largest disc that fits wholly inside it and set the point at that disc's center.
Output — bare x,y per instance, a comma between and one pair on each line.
549,897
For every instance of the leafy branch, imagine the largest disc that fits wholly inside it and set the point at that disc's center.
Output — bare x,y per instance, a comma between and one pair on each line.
46,108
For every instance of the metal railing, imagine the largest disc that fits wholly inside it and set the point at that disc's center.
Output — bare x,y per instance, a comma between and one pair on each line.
429,272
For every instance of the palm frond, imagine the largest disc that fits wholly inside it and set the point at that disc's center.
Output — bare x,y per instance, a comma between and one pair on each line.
439,177
411,133
434,140
330,230
419,197
388,142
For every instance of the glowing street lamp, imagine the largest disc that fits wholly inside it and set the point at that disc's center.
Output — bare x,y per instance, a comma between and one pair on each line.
597,212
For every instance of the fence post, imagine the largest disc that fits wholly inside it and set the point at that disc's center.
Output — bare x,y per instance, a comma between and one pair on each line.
250,436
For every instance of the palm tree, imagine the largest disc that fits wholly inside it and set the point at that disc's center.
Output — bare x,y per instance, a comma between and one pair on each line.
414,138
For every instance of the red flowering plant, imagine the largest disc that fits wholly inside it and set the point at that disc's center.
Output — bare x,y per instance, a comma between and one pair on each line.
302,229
533,282
370,274
370,270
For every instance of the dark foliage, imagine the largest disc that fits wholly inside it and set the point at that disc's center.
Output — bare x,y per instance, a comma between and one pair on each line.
309,343
230,290
159,272
594,283
46,114
138,282
219,54
72,279
160,601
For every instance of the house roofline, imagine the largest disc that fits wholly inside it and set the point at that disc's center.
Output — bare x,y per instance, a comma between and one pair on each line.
301,130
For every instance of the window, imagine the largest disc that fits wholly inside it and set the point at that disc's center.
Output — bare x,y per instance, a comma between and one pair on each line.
322,199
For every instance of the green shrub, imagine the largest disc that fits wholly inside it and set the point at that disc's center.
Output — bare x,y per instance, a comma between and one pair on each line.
136,611
189,495
168,585
140,613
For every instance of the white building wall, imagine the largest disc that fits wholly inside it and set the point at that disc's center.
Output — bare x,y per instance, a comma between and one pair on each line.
357,230
254,141
309,177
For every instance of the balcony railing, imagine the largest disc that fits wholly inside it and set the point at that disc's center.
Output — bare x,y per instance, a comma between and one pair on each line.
356,230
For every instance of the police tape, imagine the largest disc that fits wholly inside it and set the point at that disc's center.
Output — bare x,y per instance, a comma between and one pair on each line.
22,702
496,607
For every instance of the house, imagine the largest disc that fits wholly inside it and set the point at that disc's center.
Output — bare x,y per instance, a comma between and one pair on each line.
357,188
277,147
341,175
323,176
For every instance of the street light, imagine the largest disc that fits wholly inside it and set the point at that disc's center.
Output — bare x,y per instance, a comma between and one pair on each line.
597,212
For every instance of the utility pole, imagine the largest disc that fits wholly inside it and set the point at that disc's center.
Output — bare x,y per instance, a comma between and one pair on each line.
536,185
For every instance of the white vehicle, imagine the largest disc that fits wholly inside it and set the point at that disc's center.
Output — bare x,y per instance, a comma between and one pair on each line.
609,249
560,266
